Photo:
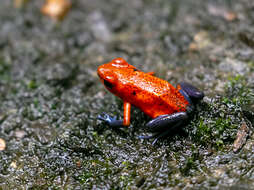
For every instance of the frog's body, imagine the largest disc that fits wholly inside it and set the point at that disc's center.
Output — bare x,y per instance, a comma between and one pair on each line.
154,96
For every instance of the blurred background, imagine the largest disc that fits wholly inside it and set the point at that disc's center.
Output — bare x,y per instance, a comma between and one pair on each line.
50,94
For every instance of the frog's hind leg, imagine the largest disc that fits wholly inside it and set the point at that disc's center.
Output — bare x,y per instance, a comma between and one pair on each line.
166,133
164,124
158,135
190,93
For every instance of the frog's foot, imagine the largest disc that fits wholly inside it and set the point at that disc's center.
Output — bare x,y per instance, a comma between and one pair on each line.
158,135
111,121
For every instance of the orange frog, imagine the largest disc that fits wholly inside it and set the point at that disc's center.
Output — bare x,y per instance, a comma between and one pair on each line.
168,106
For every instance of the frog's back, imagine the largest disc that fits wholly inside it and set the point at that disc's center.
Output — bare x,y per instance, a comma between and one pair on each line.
152,95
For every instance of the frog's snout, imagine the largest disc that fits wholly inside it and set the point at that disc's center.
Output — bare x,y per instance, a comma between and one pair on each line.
100,71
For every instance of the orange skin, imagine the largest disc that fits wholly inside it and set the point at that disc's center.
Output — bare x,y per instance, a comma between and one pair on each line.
154,96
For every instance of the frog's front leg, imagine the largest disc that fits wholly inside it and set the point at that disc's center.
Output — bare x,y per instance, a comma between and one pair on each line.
126,114
113,122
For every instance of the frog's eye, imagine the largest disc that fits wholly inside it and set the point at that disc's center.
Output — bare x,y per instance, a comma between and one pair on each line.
136,69
120,63
108,84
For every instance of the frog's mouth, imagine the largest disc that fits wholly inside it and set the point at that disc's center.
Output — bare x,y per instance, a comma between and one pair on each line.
108,84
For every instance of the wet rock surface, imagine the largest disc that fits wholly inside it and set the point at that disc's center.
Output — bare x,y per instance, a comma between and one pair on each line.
50,95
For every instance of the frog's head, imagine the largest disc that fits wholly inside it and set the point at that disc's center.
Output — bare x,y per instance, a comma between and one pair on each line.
110,73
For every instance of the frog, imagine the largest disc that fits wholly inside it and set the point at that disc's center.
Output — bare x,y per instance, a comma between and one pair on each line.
168,106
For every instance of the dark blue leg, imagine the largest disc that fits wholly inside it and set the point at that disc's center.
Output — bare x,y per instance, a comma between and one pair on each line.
191,91
157,136
111,121
164,134
165,121
164,124
191,94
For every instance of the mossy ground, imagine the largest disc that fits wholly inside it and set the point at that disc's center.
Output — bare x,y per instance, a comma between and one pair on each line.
50,95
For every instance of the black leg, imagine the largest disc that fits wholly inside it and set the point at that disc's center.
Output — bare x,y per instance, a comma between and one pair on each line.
165,122
191,91
164,134
157,136
111,121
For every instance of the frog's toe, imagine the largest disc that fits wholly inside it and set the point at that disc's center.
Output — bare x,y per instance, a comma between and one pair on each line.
167,131
155,137
111,121
146,137
105,117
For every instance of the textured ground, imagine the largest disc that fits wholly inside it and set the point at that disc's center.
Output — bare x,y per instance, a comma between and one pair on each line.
50,94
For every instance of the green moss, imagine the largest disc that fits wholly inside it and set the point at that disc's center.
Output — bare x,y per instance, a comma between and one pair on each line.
32,84
239,92
217,123
190,164
85,177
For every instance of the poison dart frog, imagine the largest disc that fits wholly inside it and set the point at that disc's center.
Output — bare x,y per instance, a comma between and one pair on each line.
169,107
